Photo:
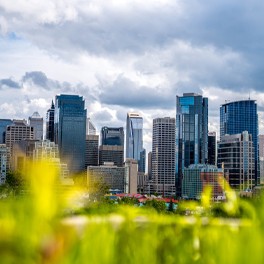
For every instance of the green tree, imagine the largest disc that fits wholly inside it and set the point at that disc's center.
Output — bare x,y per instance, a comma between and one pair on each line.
158,205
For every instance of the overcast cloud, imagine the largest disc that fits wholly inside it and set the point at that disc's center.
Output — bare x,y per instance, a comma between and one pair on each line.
130,55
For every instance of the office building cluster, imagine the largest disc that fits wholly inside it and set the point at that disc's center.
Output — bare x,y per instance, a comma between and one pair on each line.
185,156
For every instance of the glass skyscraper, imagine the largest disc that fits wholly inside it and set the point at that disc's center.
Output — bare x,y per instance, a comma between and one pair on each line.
70,130
134,137
239,116
191,133
50,123
113,136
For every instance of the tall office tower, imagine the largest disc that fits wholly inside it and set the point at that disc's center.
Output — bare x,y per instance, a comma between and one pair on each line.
36,121
212,148
112,136
91,150
239,116
70,130
112,146
17,131
134,136
191,133
261,157
149,164
90,127
163,156
237,158
3,163
142,161
50,123
3,124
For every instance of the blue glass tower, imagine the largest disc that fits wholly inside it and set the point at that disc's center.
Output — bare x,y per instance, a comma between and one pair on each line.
191,133
70,130
134,138
239,116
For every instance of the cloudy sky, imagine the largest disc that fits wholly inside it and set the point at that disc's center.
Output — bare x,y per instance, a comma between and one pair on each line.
130,55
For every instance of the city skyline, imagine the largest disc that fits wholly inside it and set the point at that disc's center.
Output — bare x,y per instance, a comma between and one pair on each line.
121,64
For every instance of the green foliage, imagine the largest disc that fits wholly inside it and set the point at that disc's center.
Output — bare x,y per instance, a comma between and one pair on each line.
33,229
158,205
128,201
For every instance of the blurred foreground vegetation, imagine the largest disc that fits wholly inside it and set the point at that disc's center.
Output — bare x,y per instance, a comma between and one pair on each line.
48,224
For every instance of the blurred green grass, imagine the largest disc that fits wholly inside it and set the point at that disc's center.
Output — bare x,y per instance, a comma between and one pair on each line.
34,228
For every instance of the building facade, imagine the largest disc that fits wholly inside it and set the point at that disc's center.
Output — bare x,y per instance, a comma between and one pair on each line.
134,137
36,121
108,153
70,130
163,156
236,155
50,123
191,133
90,127
261,158
3,163
91,150
198,176
3,124
212,148
239,116
112,136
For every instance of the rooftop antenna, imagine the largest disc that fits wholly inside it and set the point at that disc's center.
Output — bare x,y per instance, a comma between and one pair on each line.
249,96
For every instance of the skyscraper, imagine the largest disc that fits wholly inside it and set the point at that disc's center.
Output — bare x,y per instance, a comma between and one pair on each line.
112,146
163,156
191,133
50,123
134,137
90,127
212,148
36,121
236,156
91,150
70,130
239,116
3,124
261,157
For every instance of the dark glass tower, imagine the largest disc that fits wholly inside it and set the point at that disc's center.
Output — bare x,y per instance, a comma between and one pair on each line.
239,116
191,133
112,147
70,130
50,123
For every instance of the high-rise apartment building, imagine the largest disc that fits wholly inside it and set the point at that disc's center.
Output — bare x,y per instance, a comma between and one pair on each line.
212,148
191,133
236,155
3,124
261,157
163,156
50,123
134,137
36,121
149,164
239,116
91,150
70,130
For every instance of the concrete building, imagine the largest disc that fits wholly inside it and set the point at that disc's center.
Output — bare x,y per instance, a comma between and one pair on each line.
121,179
3,163
50,123
17,131
212,148
239,116
191,133
91,150
36,121
90,127
163,156
197,176
70,130
149,164
236,154
134,137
